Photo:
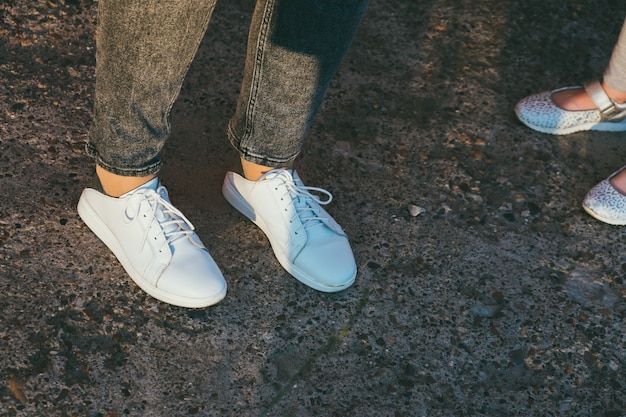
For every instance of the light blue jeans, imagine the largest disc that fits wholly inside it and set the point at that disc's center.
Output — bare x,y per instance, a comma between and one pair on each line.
615,73
145,47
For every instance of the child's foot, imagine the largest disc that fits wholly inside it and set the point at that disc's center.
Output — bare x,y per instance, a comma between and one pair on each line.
607,203
574,109
577,99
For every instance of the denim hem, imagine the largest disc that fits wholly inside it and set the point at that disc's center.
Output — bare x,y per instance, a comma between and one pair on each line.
260,160
152,168
256,158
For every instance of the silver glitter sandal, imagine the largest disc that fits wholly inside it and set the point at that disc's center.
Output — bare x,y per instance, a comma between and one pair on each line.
605,203
540,113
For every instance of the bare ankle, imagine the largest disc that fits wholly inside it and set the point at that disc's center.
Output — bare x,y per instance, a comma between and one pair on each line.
253,172
577,99
615,95
117,185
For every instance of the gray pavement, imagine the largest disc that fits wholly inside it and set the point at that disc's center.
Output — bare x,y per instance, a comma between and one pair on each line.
502,298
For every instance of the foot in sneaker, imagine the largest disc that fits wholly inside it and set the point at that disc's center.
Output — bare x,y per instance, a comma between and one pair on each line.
155,244
308,243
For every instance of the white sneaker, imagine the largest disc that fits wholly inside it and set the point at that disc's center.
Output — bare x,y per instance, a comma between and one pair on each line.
308,243
155,244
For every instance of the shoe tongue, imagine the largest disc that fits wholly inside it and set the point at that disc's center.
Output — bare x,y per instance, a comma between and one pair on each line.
307,215
152,184
161,215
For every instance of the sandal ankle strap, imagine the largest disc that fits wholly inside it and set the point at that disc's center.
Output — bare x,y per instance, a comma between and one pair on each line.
610,111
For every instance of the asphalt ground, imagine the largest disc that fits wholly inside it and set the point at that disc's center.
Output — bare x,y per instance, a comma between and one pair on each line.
500,298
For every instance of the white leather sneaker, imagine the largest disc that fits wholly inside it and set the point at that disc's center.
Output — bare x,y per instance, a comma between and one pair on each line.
307,241
155,244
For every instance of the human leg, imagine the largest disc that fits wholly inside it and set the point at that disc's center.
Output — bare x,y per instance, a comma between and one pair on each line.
294,49
615,73
144,49
614,81
606,201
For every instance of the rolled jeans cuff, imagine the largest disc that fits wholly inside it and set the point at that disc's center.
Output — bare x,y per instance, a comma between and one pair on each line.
152,167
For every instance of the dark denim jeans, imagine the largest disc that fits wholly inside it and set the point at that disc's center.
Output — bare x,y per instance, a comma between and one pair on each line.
145,47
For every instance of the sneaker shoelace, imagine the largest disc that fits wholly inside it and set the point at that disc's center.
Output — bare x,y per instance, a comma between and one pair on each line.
301,197
173,223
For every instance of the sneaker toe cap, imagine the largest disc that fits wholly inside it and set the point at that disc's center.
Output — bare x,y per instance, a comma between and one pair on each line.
330,264
195,280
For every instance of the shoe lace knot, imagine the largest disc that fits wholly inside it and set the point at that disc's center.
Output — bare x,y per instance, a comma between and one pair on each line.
172,222
307,205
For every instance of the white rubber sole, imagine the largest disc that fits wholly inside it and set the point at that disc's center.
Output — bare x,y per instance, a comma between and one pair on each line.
598,127
602,219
